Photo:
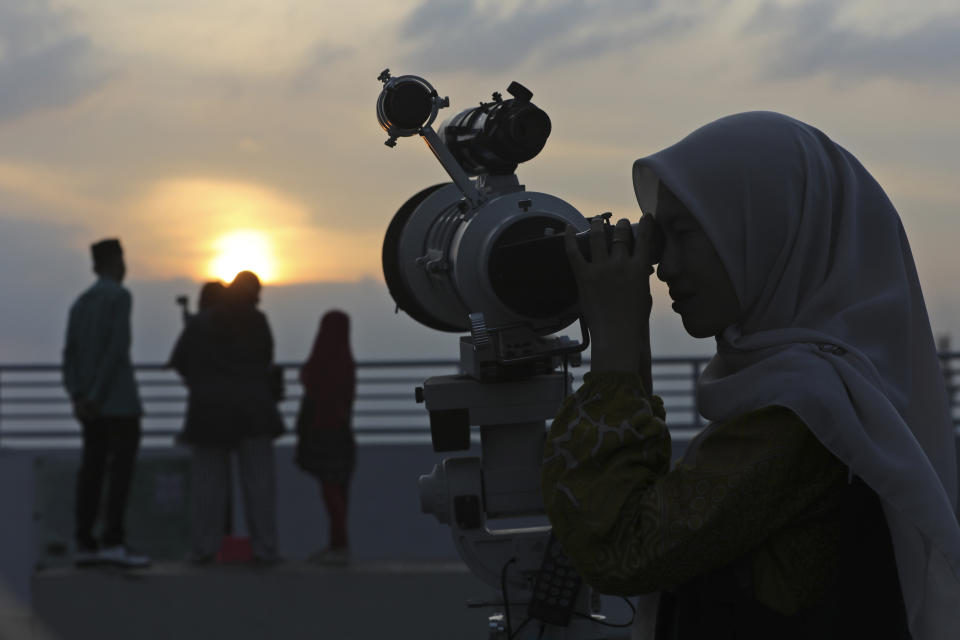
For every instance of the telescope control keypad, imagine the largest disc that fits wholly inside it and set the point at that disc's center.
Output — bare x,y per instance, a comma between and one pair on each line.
555,588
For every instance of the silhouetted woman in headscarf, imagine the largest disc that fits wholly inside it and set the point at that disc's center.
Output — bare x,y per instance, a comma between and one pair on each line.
326,447
820,501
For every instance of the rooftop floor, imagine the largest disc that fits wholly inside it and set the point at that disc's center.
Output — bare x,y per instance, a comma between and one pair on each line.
290,601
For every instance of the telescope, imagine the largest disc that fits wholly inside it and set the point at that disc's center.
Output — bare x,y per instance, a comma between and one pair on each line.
446,254
486,253
483,256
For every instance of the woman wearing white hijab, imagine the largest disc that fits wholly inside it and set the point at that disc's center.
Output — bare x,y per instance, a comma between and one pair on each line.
821,499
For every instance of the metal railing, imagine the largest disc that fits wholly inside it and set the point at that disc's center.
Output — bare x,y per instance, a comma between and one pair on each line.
35,410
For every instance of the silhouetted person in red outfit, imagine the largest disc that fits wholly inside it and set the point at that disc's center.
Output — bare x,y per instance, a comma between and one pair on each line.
325,444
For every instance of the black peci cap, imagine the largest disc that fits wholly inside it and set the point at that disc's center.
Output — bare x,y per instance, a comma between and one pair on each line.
105,251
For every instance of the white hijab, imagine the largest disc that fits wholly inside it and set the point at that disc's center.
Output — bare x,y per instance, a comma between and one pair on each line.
833,327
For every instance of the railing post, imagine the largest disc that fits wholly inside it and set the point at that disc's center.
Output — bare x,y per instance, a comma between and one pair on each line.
693,391
946,366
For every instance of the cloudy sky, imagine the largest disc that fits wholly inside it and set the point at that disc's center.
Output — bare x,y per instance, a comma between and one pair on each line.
197,131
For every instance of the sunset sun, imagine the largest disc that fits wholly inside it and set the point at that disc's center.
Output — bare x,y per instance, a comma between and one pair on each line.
242,251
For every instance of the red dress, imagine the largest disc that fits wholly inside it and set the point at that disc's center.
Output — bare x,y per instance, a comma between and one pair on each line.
325,443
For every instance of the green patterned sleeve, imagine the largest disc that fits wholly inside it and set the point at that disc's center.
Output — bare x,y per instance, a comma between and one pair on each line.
607,444
631,525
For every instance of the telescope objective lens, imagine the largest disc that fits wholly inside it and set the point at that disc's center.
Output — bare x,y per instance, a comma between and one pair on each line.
408,105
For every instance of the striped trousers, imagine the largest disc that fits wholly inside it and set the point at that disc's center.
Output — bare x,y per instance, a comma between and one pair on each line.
210,482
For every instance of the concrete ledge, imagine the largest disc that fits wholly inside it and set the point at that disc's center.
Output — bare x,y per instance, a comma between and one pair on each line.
376,600
17,621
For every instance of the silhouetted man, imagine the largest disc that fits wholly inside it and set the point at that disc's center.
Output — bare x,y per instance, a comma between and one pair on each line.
98,375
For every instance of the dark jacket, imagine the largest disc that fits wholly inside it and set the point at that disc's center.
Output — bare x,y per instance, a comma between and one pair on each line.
224,356
863,600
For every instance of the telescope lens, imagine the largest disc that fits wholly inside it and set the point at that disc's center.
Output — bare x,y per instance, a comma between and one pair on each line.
408,105
529,270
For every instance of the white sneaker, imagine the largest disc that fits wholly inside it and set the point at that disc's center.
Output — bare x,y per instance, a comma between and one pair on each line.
121,556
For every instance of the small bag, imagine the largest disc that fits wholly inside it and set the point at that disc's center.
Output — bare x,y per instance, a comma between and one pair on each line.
275,376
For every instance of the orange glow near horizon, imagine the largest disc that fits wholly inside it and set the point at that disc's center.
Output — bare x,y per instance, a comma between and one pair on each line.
243,251
202,229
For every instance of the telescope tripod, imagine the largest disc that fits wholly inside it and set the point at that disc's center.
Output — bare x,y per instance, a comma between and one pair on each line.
465,493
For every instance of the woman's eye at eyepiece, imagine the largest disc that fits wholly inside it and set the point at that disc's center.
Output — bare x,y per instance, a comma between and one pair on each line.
657,241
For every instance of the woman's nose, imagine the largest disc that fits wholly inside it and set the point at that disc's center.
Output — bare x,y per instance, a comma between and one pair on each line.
667,267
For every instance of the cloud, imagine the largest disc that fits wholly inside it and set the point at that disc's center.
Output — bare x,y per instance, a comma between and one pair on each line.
51,193
44,63
810,40
310,73
463,35
42,264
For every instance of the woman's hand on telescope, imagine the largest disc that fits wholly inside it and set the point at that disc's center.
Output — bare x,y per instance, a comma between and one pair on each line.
615,301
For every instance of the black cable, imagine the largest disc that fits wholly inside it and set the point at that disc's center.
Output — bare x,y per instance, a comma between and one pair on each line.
519,629
503,590
633,616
